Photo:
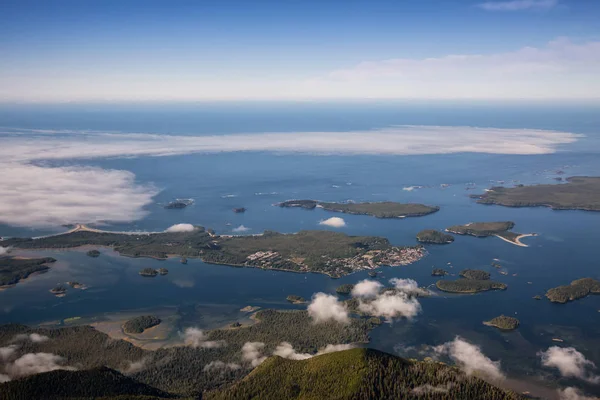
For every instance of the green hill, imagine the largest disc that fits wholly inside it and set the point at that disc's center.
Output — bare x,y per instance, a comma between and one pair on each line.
91,384
358,374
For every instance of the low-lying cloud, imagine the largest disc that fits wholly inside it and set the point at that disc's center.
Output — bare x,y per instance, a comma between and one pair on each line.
252,353
35,363
570,363
39,195
325,307
366,288
33,337
334,222
409,286
572,393
180,228
8,351
427,389
3,250
195,337
470,358
240,229
220,366
286,350
391,305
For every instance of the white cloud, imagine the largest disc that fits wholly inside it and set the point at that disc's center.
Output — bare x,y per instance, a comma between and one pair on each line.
8,351
4,378
35,363
252,353
286,350
180,228
195,337
34,337
366,288
572,393
470,358
40,196
569,362
517,5
3,250
409,286
334,222
332,348
391,305
137,366
220,365
37,196
325,307
240,229
430,389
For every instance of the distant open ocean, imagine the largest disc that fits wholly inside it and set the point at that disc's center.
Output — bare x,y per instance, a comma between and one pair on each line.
566,248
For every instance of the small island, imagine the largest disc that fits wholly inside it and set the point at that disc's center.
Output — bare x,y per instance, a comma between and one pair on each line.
469,286
292,298
163,271
503,323
183,260
140,324
77,285
178,204
239,210
345,289
148,272
439,272
372,274
434,237
575,290
250,309
577,193
475,274
59,291
93,253
500,229
385,209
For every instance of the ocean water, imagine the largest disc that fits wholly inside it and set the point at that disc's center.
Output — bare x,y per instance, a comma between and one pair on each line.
566,248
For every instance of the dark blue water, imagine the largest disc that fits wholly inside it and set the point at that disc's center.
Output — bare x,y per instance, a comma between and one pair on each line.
566,248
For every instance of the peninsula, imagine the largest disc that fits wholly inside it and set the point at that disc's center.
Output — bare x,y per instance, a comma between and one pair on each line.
503,323
386,209
434,237
500,229
14,269
331,253
575,290
578,193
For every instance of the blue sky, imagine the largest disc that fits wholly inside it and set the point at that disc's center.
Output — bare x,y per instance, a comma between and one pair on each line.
56,51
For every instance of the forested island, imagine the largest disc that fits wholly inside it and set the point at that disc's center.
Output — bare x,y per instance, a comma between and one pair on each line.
13,269
578,193
141,323
354,374
469,285
358,374
202,364
385,209
345,288
179,204
148,272
575,290
292,298
475,274
439,272
501,229
93,253
434,237
331,253
503,322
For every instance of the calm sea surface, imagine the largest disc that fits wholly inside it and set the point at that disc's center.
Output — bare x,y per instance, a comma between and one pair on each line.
566,248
